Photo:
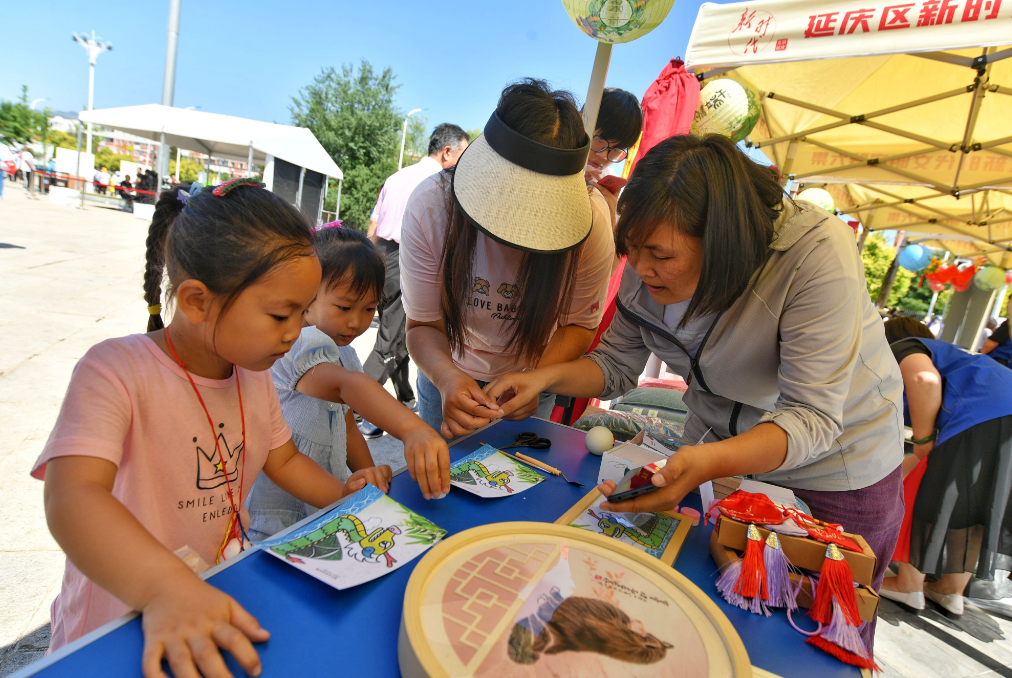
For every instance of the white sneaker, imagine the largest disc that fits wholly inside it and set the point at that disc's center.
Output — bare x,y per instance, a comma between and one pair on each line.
950,602
914,601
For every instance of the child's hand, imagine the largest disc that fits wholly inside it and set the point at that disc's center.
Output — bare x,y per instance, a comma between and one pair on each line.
428,460
186,624
377,475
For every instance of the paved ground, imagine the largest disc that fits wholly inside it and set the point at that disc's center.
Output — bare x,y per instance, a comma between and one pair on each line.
69,279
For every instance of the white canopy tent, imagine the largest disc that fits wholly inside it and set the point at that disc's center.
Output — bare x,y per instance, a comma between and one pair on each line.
903,110
223,136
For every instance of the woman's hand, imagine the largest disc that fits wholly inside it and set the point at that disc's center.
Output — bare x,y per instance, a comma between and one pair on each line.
526,388
465,405
428,460
522,412
685,470
376,475
186,623
911,461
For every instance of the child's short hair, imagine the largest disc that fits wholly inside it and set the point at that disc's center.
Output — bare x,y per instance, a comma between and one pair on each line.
347,256
227,242
620,118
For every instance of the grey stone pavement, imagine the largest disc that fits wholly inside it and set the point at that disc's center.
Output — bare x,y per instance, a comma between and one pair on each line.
71,278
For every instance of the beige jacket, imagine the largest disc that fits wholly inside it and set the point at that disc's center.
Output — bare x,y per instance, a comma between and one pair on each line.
803,347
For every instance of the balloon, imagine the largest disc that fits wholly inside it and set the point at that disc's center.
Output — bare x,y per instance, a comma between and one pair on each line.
617,20
989,278
819,197
915,258
726,108
1008,277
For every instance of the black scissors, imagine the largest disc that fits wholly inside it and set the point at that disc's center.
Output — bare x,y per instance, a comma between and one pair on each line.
530,440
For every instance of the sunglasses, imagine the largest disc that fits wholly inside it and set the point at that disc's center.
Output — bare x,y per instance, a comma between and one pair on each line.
613,153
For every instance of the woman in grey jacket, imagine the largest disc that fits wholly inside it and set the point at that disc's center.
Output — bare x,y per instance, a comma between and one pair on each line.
760,302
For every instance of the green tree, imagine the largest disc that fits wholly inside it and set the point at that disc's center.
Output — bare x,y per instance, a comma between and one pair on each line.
475,133
19,124
352,113
878,256
62,140
109,159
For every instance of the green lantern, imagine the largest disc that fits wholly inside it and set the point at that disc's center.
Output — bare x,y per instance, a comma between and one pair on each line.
989,278
617,20
726,108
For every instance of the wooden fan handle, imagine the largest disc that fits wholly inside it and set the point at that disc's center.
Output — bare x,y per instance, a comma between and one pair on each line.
534,462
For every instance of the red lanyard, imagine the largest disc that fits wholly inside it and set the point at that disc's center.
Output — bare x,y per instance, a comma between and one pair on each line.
234,521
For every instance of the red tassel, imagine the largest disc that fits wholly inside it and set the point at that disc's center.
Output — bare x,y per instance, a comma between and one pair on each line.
752,582
843,655
835,581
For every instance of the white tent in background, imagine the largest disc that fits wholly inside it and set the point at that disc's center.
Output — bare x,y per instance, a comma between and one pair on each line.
300,176
903,110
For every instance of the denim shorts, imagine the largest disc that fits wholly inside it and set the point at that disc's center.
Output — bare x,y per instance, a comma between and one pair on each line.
430,402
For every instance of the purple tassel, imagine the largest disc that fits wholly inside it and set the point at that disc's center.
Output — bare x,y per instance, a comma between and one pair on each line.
778,575
841,632
726,584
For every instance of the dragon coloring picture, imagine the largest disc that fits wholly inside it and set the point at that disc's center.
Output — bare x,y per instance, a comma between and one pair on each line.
487,472
361,539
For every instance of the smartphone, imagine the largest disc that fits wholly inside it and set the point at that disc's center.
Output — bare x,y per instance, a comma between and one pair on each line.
612,183
637,482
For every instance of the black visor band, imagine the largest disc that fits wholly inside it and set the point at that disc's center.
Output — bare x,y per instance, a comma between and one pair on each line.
530,154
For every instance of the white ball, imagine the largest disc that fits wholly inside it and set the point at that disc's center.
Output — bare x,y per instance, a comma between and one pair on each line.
600,440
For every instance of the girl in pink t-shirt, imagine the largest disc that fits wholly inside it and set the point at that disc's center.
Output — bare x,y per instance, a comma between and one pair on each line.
162,434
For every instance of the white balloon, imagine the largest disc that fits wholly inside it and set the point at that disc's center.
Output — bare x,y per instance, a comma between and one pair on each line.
600,440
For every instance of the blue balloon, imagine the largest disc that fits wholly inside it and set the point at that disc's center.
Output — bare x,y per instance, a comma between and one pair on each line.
915,258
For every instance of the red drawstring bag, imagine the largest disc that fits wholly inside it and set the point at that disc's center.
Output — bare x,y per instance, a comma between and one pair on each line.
750,508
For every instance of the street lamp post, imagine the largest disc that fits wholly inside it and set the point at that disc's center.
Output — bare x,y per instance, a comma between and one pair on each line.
404,134
169,82
93,47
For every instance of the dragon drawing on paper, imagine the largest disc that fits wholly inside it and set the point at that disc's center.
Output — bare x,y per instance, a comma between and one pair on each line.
650,534
490,478
324,544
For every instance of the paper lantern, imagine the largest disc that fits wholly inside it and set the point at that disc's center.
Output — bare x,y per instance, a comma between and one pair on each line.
727,108
989,278
935,286
617,20
819,197
915,258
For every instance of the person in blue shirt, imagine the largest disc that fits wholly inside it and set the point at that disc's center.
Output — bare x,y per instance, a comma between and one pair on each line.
958,481
998,345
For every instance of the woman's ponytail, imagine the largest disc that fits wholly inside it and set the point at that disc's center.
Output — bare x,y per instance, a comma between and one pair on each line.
166,210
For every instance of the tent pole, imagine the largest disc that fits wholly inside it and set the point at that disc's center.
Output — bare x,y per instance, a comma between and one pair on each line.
249,162
337,204
931,308
598,76
862,238
298,194
323,201
77,174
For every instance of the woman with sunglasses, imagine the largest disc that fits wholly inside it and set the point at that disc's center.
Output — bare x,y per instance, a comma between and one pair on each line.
760,302
505,259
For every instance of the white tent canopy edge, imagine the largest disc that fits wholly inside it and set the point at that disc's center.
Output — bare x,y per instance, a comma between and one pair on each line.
220,136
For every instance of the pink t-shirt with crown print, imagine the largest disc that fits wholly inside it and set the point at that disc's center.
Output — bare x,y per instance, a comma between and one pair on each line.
131,404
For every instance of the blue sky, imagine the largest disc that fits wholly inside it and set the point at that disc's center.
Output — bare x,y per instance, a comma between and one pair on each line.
250,58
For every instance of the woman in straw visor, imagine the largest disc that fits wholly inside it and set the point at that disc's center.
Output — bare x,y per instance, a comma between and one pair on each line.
505,259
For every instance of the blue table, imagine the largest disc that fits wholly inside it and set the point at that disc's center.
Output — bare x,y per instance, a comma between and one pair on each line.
317,630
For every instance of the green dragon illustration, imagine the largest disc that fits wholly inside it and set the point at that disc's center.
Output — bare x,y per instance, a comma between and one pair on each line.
650,535
323,543
462,475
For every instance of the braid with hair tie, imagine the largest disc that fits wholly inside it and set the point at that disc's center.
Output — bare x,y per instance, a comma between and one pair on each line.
168,208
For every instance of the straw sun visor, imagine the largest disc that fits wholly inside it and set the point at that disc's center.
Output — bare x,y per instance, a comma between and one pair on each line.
537,211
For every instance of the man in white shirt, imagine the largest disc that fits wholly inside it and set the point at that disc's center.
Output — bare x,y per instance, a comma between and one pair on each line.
389,357
26,163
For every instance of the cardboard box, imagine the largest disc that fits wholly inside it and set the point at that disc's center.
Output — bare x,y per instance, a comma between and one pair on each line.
867,600
803,552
